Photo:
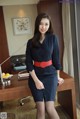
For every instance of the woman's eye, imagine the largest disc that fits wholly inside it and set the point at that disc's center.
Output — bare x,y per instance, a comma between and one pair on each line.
46,24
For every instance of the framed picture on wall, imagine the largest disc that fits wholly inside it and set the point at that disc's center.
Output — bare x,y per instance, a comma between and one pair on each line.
21,25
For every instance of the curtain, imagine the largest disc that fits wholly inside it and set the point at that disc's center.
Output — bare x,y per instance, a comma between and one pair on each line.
68,56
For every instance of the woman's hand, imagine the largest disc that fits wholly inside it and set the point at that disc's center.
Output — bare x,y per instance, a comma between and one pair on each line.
39,84
60,80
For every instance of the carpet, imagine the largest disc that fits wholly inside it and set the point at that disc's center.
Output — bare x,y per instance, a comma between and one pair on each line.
27,111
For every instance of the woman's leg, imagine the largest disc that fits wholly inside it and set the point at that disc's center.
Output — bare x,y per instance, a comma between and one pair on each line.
40,110
51,110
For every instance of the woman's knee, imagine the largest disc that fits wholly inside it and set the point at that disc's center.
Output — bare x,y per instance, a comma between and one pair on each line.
40,107
50,106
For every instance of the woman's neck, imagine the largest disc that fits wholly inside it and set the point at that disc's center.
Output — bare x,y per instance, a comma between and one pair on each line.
42,38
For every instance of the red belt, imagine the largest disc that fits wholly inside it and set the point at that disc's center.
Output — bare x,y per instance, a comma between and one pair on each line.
43,64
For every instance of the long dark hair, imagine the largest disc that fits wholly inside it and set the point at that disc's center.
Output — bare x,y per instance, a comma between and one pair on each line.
37,34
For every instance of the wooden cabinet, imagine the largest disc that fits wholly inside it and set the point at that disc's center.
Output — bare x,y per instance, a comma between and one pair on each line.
54,9
4,53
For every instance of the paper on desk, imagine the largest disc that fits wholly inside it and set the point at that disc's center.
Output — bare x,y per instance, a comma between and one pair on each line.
23,75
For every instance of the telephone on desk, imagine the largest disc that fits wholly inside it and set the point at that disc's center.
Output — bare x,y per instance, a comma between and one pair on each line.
18,62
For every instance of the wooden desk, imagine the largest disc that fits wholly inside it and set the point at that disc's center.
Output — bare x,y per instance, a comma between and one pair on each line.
18,89
67,96
66,93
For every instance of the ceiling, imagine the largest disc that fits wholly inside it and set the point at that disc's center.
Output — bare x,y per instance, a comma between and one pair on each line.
17,2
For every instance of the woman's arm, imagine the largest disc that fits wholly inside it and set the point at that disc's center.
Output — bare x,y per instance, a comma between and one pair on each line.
38,83
30,67
56,59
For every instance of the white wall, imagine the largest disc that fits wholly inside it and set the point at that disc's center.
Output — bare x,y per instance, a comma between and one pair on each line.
16,42
17,2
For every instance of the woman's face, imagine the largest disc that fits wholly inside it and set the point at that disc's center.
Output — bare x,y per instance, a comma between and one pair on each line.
44,26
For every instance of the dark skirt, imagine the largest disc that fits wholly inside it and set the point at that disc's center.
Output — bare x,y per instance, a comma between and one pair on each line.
48,94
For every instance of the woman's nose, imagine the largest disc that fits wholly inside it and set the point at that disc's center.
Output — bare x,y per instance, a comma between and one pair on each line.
43,26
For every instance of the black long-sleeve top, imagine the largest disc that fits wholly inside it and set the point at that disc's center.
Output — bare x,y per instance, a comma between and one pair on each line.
48,50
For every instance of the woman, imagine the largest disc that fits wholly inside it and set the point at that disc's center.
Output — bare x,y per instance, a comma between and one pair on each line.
42,61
